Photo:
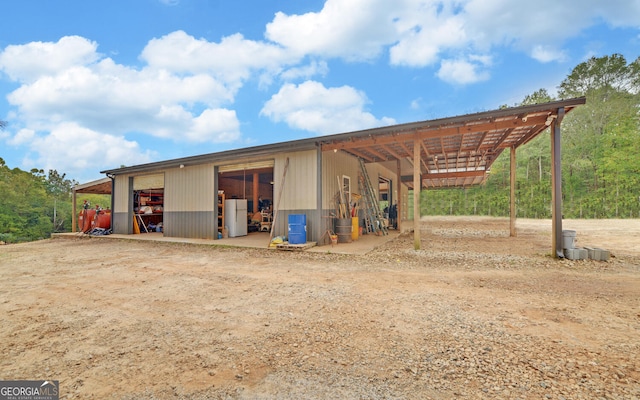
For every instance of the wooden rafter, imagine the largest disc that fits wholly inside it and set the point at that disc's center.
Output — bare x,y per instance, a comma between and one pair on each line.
391,151
377,153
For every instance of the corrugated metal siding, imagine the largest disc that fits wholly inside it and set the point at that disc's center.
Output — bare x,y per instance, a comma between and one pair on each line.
121,194
336,165
190,224
189,202
301,182
189,189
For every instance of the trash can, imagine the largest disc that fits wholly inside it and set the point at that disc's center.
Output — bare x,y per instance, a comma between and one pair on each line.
343,230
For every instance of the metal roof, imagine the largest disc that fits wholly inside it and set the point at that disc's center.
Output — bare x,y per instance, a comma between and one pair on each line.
454,152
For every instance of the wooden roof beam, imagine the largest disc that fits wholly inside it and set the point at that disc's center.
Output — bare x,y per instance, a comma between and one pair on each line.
392,152
503,138
533,132
406,149
427,154
447,175
378,154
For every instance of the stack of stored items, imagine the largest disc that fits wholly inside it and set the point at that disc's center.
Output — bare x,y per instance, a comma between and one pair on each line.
571,252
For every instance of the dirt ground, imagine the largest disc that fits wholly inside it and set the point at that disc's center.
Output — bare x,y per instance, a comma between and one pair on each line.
474,314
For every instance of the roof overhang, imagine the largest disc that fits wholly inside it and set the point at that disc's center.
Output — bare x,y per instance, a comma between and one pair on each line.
456,151
100,186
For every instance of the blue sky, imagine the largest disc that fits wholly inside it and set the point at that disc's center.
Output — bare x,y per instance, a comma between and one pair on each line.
87,86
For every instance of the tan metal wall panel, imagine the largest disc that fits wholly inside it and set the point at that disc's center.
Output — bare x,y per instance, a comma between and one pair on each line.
189,189
334,165
301,182
121,194
340,164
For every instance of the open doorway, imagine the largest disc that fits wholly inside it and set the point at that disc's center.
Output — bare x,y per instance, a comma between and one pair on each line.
148,203
387,204
245,198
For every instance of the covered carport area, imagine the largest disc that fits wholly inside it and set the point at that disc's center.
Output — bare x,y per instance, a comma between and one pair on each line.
100,186
459,151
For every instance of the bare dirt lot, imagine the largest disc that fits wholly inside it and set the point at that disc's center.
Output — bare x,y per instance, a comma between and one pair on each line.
474,314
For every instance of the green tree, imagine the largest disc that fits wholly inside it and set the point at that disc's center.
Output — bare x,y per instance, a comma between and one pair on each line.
611,73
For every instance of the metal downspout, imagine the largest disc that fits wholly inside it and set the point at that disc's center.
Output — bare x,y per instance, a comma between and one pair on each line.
113,189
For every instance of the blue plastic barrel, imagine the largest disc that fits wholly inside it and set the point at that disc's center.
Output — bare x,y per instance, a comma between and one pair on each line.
297,228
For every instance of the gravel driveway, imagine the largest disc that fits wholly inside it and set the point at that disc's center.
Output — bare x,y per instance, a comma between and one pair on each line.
475,314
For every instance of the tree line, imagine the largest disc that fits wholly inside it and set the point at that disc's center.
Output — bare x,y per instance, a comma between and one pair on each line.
600,154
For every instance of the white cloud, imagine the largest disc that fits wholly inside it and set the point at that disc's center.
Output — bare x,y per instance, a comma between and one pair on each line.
537,29
232,61
315,108
105,96
462,72
23,136
29,62
350,29
70,147
218,125
546,54
67,87
306,71
421,33
427,30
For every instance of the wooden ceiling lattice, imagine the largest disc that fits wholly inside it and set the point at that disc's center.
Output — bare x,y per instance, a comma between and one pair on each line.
454,152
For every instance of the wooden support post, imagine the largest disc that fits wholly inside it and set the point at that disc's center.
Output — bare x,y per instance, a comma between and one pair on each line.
556,185
512,208
256,190
417,186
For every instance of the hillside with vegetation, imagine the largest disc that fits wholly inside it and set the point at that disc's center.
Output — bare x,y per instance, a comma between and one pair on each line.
600,165
33,204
